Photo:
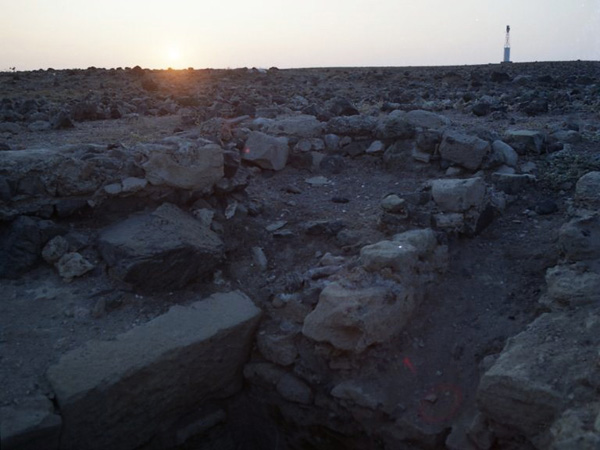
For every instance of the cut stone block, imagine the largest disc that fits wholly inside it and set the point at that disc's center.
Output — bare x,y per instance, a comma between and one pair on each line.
116,394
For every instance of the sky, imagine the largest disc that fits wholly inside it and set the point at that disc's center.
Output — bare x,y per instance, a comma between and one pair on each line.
39,34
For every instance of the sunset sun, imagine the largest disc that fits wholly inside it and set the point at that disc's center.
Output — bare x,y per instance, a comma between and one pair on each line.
173,56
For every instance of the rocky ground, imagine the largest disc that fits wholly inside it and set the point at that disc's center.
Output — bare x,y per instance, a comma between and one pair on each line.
355,258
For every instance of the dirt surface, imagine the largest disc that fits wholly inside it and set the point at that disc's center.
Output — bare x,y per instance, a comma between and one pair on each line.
430,372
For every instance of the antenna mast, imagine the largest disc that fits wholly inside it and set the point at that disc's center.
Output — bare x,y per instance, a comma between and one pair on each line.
507,45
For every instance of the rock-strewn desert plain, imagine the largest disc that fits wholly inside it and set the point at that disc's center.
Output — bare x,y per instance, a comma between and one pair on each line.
344,258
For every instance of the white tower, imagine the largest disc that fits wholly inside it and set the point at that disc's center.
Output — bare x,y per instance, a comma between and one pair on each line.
507,45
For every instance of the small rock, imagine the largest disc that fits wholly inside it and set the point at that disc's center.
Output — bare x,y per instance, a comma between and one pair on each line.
205,216
259,258
295,390
394,204
113,189
40,125
293,189
375,148
545,207
587,189
55,249
332,164
277,348
131,185
73,265
340,200
330,260
318,181
276,225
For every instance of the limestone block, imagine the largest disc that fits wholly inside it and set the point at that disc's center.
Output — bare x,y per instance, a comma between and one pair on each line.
353,318
117,394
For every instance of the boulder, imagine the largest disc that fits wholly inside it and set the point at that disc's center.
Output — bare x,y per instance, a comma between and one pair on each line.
400,257
294,389
32,425
72,265
117,394
395,126
22,242
340,106
465,150
506,154
458,195
542,370
162,250
579,239
353,318
267,152
55,249
358,125
414,257
193,167
571,286
587,189
277,348
525,141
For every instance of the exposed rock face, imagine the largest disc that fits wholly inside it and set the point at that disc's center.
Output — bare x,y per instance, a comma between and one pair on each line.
103,388
464,150
163,250
266,151
190,167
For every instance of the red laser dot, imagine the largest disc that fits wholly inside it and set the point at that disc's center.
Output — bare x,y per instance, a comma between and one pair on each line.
409,365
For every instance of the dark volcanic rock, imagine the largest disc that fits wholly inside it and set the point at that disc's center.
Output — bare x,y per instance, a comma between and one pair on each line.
21,245
163,250
61,121
341,107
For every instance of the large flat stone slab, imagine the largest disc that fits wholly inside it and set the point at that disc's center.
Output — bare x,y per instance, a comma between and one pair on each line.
163,250
547,368
116,394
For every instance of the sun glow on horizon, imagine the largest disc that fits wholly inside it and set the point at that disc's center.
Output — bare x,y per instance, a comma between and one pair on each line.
174,56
